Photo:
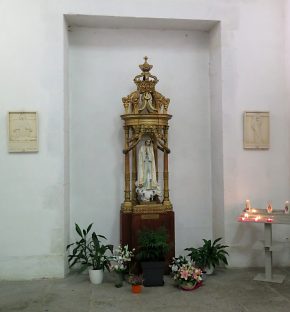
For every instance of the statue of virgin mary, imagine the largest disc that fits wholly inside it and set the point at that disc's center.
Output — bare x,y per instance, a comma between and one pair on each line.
147,185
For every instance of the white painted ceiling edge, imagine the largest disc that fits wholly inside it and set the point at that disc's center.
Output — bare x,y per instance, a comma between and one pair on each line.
116,22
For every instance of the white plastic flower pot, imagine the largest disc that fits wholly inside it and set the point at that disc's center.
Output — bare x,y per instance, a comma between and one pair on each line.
209,270
96,276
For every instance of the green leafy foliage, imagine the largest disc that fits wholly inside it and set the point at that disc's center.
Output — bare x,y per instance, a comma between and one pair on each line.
89,251
153,245
210,254
196,256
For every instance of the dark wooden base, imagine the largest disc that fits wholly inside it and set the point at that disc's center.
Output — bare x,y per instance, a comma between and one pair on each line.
132,223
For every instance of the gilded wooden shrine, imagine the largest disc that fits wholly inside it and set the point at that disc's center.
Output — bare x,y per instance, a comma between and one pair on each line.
146,197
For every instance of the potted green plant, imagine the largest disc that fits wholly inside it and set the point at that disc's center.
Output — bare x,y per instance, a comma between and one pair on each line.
153,248
196,256
90,252
208,256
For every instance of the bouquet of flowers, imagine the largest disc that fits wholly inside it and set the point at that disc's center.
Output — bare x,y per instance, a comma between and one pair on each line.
176,263
186,275
121,258
135,280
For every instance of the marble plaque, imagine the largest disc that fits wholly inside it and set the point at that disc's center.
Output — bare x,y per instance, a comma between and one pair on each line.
22,132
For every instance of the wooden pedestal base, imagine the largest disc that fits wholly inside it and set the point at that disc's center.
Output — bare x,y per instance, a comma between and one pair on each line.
132,223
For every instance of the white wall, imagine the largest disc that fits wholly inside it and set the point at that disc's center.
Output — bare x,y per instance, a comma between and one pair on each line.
103,63
216,114
287,47
32,186
287,59
254,79
66,155
287,44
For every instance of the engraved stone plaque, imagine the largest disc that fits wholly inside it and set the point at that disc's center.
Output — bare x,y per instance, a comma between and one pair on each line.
22,132
256,130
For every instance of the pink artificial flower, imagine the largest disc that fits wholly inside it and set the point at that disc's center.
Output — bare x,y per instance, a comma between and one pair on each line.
184,274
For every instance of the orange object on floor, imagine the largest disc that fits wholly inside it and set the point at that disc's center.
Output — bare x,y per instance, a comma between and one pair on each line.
136,289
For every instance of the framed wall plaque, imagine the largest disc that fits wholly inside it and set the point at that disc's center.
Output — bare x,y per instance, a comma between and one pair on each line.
256,130
22,132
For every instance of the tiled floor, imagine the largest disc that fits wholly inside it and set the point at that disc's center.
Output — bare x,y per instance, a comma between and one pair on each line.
227,290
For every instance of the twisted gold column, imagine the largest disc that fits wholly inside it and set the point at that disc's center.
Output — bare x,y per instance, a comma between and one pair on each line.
156,159
127,206
166,201
134,174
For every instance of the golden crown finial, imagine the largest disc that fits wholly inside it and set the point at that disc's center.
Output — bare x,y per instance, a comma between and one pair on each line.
145,67
145,81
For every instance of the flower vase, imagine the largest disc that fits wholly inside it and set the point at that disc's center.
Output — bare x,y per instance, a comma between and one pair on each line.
119,277
136,289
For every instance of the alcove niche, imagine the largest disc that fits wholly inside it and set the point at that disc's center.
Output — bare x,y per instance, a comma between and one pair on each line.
104,54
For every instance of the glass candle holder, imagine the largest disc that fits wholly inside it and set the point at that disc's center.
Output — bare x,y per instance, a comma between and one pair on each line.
247,205
269,207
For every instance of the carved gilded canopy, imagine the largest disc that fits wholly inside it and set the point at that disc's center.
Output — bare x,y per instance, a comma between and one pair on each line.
146,110
145,116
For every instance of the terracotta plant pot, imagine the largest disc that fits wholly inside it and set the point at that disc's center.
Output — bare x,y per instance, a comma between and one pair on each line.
136,289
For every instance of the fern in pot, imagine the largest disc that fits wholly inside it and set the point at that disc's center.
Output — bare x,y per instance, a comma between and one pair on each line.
153,248
210,255
89,252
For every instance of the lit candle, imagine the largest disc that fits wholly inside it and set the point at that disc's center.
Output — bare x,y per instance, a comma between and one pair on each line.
248,204
269,207
286,209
